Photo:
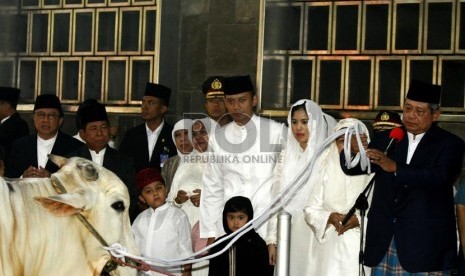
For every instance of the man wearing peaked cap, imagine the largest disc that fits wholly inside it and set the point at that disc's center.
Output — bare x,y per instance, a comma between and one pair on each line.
150,144
95,131
213,90
29,155
247,137
386,120
412,209
12,126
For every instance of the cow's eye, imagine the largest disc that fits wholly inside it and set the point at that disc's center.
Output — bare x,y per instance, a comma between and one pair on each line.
118,206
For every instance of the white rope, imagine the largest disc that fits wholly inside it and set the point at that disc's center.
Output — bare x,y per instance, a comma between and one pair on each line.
276,204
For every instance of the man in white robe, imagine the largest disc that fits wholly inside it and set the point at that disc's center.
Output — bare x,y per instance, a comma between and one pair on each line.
245,153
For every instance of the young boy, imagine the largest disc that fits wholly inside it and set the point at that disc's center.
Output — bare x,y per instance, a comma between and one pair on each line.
162,230
249,254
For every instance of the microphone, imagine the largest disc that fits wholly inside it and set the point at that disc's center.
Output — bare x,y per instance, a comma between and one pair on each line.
396,134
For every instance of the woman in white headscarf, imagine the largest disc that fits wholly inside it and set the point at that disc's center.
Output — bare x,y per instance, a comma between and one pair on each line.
334,193
309,127
187,187
181,134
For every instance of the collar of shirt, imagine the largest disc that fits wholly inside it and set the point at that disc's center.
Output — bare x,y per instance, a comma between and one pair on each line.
413,141
44,147
4,119
98,157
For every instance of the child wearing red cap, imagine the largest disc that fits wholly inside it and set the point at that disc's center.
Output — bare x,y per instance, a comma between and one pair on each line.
162,230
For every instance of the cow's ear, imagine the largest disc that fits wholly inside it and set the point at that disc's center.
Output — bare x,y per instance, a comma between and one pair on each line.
60,161
66,204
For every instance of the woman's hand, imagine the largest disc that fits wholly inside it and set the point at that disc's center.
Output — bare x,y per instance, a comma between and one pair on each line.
335,219
181,197
351,223
195,198
272,254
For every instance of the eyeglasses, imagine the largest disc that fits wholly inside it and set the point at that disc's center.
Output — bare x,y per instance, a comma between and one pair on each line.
48,116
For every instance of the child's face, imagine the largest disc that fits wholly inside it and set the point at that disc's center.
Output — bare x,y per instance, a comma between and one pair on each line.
154,194
236,220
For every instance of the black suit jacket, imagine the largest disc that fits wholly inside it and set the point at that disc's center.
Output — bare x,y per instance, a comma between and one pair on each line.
24,153
121,165
10,130
415,206
135,145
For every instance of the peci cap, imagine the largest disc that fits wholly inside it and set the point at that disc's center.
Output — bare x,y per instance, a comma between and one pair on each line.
146,176
80,109
386,120
213,87
158,91
9,94
48,101
238,84
92,112
424,92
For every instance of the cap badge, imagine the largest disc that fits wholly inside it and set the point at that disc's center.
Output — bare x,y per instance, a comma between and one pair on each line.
385,117
216,84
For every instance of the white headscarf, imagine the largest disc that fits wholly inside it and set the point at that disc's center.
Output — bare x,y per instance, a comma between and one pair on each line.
295,158
182,124
341,190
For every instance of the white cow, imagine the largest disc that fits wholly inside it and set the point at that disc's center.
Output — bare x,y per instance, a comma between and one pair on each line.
46,239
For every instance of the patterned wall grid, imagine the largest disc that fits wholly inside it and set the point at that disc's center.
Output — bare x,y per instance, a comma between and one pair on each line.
361,54
104,49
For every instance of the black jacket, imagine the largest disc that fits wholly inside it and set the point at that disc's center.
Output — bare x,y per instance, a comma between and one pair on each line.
135,145
24,153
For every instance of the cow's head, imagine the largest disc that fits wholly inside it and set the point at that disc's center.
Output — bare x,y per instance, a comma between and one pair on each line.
101,197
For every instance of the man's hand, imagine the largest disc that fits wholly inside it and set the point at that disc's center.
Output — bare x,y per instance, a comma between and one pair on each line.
379,158
32,171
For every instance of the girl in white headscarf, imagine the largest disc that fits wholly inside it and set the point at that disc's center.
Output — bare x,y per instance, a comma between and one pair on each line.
337,249
309,127
187,187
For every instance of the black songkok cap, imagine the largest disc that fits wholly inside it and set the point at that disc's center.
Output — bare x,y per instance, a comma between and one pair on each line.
213,87
9,94
238,84
158,91
48,101
424,92
93,113
386,120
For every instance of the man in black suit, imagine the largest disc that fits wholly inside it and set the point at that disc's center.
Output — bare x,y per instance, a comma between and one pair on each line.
411,221
95,131
12,126
28,156
150,144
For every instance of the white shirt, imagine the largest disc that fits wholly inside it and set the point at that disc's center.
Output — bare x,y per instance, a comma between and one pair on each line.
152,137
241,164
98,157
44,147
163,233
4,119
413,141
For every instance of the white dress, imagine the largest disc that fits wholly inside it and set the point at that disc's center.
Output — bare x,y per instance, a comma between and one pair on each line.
188,177
334,191
295,159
